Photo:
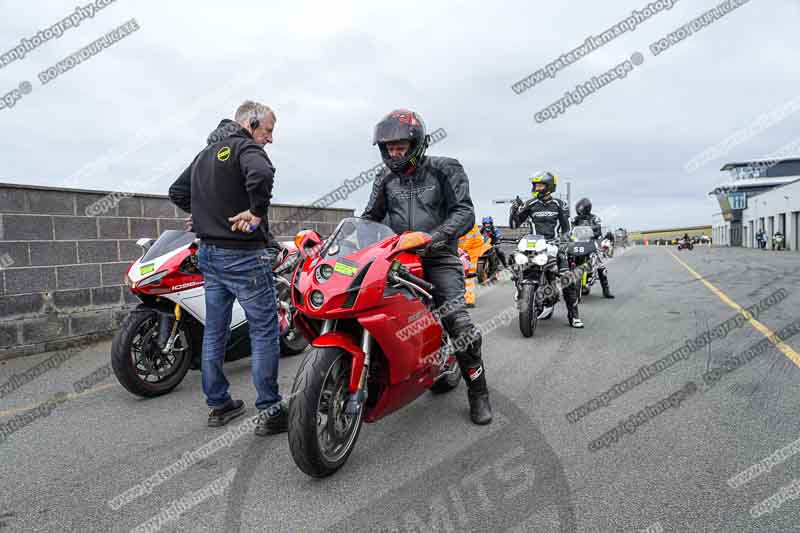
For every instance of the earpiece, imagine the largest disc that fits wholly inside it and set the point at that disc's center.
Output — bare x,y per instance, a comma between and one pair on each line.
254,122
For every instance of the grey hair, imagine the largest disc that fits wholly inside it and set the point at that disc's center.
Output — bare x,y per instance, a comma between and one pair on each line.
249,108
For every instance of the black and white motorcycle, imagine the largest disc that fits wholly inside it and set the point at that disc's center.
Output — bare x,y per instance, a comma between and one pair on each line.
162,338
534,266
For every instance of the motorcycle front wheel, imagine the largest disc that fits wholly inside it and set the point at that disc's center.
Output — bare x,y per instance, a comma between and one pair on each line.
321,435
528,310
138,362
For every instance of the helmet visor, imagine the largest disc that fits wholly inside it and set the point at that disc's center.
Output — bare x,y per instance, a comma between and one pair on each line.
387,131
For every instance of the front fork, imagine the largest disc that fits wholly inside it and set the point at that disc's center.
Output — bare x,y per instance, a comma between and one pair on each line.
359,369
168,329
357,398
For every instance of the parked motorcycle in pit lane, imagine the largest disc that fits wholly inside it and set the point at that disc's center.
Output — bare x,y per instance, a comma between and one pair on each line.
162,338
357,294
535,273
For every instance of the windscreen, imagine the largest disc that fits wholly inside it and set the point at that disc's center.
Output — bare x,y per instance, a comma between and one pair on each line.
583,233
353,234
170,240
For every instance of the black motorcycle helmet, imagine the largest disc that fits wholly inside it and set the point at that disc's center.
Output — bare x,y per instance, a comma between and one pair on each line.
548,178
583,207
402,125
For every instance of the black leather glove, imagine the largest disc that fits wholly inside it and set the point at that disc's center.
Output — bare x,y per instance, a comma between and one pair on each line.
439,242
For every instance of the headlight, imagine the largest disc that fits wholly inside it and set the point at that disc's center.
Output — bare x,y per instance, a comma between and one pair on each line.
526,245
323,273
317,299
155,278
521,259
540,259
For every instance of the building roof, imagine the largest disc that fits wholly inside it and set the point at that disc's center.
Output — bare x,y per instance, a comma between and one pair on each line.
771,160
749,183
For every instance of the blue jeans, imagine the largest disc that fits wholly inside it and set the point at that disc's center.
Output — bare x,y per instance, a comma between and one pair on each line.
244,275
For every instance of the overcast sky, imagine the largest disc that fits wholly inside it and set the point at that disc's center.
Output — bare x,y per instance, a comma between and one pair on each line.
133,116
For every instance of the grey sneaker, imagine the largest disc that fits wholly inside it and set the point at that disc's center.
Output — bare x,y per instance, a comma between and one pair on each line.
219,416
272,420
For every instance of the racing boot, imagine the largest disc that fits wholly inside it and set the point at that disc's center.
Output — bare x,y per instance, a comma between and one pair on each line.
474,373
572,317
571,299
480,410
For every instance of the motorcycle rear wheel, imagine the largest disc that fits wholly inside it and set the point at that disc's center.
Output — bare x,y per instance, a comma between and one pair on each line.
321,436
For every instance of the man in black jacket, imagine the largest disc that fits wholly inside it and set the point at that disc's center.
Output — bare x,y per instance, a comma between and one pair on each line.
585,217
227,189
548,214
431,194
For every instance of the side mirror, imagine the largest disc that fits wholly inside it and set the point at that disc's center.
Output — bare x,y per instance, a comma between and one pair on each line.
145,243
307,239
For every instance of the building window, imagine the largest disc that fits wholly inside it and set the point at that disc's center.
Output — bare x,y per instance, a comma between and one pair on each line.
750,171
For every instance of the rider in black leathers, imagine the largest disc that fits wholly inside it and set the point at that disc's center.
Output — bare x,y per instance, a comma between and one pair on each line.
585,218
547,214
431,194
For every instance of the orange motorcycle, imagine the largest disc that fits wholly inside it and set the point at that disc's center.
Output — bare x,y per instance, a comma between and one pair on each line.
481,267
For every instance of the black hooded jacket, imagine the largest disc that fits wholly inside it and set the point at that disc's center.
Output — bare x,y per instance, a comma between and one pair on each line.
232,174
434,197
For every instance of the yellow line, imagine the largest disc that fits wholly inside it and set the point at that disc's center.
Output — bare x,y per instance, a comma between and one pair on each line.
761,328
70,396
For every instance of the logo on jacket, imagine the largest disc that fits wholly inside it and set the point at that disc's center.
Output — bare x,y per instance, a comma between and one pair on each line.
224,153
412,191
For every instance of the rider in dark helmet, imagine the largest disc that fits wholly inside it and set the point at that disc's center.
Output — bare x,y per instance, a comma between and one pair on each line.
585,218
547,214
431,194
488,230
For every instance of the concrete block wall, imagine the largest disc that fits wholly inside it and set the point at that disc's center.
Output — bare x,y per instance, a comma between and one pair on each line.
62,272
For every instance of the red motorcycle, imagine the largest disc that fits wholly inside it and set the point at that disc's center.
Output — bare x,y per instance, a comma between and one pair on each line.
356,295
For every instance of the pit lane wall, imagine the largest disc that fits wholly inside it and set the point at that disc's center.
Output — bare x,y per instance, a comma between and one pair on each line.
64,254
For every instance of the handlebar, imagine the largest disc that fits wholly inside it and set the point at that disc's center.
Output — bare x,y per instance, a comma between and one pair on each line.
411,278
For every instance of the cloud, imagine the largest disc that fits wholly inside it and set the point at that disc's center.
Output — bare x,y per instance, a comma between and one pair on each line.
139,111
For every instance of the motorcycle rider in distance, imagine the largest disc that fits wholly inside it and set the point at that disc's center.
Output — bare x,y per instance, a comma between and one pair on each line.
488,230
547,214
584,217
431,194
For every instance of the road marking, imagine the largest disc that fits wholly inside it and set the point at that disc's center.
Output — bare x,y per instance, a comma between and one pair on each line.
761,328
70,396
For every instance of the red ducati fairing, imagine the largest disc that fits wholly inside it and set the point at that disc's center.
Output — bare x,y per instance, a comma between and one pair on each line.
352,286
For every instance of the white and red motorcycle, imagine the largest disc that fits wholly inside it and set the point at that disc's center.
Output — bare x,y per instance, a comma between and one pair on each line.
162,338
